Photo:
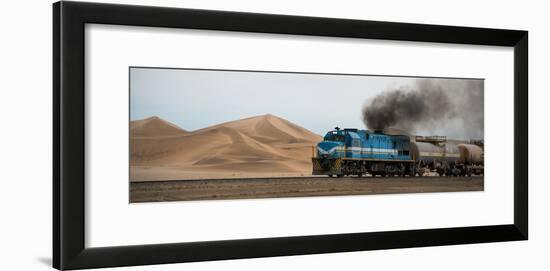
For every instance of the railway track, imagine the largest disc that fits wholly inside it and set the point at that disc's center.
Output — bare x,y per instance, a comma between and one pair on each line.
215,189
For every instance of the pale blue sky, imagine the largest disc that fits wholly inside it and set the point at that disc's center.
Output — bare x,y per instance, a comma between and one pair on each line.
194,99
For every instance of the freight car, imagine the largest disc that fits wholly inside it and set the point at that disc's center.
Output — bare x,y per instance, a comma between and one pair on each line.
446,157
358,152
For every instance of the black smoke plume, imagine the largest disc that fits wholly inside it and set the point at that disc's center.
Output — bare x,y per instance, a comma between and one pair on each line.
450,107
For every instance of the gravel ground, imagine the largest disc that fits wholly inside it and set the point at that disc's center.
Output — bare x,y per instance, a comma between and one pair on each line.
154,191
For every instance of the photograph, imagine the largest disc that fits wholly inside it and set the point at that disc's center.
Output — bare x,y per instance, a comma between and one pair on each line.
207,134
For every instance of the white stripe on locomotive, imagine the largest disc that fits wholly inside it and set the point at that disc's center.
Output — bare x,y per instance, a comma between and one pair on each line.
357,149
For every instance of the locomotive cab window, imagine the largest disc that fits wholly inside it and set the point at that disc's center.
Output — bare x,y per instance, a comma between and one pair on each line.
334,137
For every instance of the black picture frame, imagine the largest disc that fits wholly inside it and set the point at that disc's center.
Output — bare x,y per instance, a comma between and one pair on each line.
69,19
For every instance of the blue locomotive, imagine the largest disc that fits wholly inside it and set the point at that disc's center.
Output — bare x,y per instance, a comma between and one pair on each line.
358,152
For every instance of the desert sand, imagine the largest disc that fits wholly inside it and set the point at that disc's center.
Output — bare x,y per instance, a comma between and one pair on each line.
261,146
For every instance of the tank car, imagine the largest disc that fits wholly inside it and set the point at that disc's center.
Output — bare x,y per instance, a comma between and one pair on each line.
471,158
446,157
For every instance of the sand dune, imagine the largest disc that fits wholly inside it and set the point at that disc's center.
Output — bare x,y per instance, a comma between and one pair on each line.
253,147
269,128
153,127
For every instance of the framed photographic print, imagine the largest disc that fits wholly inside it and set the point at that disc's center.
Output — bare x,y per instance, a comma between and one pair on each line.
192,135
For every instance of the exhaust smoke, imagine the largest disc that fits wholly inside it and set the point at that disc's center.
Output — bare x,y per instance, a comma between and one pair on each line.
451,107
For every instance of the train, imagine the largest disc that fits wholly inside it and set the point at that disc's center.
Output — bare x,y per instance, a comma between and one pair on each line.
349,152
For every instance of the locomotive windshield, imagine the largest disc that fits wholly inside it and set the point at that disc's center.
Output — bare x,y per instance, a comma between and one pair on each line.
334,136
